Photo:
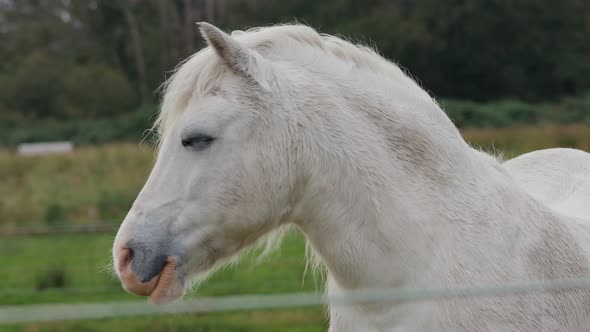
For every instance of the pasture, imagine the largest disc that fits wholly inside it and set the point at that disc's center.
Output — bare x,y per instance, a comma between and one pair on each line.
81,260
98,184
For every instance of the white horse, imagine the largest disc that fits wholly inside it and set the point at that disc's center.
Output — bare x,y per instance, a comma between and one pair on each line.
283,126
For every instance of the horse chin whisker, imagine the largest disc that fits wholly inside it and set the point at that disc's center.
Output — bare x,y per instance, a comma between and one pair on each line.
109,268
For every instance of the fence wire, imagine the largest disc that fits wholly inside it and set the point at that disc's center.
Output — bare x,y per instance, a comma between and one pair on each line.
61,312
40,229
15,314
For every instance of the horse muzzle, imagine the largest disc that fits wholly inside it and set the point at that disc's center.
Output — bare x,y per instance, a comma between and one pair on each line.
142,272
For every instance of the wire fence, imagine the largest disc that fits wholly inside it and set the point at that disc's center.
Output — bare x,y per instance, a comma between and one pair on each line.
60,312
46,267
59,229
284,297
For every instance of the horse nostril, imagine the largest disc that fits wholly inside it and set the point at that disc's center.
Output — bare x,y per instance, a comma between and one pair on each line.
125,259
139,266
129,256
142,259
131,282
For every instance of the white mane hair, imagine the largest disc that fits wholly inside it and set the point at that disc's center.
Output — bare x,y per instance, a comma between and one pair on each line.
295,43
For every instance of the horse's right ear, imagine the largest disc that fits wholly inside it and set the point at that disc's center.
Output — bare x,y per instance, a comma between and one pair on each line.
241,60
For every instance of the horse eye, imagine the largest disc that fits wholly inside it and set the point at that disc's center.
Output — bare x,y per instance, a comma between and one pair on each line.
197,142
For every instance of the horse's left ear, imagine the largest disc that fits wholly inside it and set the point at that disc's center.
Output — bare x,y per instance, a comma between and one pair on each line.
241,60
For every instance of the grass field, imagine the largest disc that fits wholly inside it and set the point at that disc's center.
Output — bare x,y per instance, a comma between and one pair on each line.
98,184
82,259
90,185
514,141
298,320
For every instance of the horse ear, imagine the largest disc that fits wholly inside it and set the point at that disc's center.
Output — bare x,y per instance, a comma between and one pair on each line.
241,60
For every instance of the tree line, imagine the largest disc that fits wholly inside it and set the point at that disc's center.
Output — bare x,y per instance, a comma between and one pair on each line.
96,59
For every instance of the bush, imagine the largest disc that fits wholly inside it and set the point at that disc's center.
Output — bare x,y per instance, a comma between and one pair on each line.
96,91
127,127
570,110
54,277
45,87
55,214
508,113
33,89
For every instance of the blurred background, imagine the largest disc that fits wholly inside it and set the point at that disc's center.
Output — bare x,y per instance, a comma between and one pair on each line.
513,75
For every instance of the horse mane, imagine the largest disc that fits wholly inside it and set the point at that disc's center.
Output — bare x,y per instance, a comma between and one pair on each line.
290,42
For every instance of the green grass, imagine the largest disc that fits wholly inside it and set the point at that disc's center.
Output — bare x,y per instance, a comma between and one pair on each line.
517,140
93,184
83,259
294,320
99,184
85,262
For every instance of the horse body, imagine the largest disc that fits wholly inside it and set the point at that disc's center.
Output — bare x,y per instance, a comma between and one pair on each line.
283,126
559,178
506,236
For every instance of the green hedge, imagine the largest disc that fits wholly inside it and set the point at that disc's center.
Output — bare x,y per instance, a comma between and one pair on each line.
133,126
129,127
45,87
508,113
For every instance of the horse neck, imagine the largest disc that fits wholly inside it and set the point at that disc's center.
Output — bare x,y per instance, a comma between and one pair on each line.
389,179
